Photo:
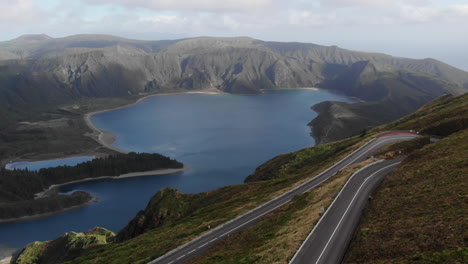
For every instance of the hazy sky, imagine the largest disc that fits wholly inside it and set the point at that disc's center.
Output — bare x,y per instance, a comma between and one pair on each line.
410,28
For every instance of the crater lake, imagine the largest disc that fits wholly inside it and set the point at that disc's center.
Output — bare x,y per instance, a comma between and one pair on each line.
221,137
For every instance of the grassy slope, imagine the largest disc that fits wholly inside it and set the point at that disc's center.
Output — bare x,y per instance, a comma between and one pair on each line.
275,238
216,207
419,213
440,117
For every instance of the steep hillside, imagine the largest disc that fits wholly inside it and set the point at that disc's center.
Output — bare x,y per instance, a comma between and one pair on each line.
44,79
419,213
401,93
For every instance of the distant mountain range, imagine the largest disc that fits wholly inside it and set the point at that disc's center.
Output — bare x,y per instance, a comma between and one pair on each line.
39,73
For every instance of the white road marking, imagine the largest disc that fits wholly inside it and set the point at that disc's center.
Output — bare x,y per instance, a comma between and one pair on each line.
191,252
347,209
180,257
227,233
376,146
203,245
292,190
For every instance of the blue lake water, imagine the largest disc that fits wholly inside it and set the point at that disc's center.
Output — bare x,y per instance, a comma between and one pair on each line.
36,165
223,138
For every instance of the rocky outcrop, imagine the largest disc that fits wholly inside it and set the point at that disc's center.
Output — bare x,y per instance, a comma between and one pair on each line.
64,248
166,205
390,95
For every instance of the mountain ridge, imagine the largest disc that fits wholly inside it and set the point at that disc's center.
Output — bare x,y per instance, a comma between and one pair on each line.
49,75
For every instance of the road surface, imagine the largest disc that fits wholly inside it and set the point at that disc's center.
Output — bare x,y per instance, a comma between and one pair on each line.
202,243
328,241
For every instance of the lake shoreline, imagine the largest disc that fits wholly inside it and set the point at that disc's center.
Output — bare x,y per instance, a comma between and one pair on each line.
6,260
216,162
54,190
44,215
106,138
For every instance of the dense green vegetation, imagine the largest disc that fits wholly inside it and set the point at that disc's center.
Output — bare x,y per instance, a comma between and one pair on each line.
18,187
55,203
23,184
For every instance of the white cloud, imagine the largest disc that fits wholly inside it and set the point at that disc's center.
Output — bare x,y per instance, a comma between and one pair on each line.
461,10
347,3
230,22
371,3
164,19
311,19
444,14
200,5
20,11
418,14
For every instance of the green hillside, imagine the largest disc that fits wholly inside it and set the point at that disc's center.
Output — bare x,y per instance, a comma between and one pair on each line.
427,200
419,213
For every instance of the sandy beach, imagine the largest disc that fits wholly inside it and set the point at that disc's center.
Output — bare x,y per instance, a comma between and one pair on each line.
6,254
5,260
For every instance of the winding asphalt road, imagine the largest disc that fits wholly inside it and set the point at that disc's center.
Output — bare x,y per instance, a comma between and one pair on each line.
202,243
328,241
